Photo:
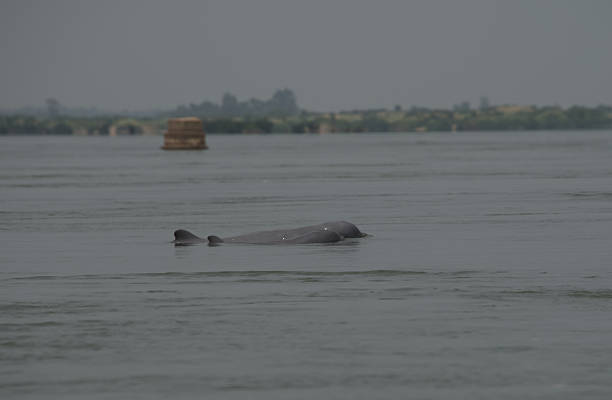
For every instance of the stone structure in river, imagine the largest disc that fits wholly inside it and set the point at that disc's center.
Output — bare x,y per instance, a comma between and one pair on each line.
185,134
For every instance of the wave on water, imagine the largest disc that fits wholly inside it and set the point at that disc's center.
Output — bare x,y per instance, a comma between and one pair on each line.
591,195
213,274
593,294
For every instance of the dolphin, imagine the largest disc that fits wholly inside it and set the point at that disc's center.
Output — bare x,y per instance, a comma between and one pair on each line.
329,232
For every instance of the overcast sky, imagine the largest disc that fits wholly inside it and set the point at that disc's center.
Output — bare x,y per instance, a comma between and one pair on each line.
334,54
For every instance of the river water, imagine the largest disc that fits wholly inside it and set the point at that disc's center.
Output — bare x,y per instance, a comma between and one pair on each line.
487,272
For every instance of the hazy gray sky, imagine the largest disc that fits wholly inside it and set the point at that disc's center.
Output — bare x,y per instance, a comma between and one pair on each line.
335,54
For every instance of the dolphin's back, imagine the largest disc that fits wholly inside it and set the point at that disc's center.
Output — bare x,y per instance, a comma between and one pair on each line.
346,229
342,228
328,232
286,237
317,237
263,237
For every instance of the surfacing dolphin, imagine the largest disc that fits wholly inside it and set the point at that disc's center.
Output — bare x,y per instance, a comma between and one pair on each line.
329,232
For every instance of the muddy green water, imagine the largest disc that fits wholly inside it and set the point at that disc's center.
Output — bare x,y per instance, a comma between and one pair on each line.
488,272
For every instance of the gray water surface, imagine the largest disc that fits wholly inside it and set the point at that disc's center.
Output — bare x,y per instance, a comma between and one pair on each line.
487,272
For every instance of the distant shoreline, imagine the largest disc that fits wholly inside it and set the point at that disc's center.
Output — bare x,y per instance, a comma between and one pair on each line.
496,118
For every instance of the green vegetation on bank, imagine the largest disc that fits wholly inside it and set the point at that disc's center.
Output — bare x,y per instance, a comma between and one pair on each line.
281,114
64,125
498,118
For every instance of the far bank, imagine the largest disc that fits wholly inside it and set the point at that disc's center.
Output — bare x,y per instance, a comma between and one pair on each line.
498,118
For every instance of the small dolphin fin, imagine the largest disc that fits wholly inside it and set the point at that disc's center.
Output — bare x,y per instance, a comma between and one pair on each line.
212,239
182,235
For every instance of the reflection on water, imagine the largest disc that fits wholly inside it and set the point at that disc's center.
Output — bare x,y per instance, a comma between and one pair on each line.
486,272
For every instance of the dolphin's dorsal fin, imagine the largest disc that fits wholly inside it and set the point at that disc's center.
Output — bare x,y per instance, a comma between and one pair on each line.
182,235
212,239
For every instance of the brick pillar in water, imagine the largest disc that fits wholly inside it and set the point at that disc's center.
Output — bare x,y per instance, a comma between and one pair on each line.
185,134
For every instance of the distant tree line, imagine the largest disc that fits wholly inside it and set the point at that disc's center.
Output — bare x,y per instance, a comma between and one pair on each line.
280,114
416,119
60,125
283,103
19,124
463,118
53,108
